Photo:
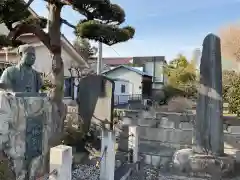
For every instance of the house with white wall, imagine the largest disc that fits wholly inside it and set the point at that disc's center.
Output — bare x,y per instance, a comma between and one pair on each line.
43,62
121,91
139,83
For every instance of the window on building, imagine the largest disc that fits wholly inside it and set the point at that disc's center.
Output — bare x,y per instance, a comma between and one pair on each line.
69,87
123,88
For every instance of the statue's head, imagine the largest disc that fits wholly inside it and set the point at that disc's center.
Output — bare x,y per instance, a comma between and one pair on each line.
27,54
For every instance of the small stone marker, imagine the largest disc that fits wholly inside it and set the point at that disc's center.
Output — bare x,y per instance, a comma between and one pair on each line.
107,167
61,160
133,141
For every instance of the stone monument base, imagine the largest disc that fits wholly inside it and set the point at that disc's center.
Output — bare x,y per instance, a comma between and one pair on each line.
186,161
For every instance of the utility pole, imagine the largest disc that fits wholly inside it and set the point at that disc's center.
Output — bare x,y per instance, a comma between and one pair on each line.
99,59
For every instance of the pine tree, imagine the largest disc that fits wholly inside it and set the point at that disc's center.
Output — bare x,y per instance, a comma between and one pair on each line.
101,23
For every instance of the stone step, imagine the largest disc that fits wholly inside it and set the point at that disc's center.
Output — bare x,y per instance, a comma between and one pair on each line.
156,155
166,135
155,160
155,146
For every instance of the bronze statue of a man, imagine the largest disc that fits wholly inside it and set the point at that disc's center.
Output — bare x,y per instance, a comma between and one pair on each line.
22,77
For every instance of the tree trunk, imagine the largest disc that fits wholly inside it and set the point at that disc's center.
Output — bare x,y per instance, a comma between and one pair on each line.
59,112
54,23
52,40
58,108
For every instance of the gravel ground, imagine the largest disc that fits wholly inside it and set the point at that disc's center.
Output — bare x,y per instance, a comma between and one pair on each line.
90,172
86,172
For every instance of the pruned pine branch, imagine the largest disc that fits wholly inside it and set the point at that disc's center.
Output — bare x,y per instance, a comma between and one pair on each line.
99,9
12,11
41,22
102,21
36,25
33,29
5,42
107,34
16,11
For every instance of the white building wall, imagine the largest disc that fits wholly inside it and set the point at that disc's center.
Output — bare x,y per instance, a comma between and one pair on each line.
159,71
119,96
135,79
156,69
149,68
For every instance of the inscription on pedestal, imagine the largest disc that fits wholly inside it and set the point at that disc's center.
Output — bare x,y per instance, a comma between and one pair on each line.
34,136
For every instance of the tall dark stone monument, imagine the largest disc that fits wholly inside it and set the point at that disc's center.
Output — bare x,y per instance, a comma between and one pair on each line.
207,155
209,124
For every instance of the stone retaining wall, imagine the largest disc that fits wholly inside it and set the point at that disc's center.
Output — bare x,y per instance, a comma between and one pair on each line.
161,136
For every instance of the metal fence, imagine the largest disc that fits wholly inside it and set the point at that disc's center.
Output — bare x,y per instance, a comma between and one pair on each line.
124,99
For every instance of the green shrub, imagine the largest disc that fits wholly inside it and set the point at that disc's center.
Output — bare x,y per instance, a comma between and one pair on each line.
170,92
232,95
73,132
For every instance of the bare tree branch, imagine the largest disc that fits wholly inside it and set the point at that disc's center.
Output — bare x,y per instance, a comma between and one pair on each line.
230,42
64,21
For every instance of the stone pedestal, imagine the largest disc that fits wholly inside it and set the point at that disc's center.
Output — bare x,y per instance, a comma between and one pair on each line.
107,155
61,162
25,128
133,141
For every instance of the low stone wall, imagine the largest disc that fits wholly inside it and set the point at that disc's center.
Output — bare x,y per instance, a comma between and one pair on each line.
161,136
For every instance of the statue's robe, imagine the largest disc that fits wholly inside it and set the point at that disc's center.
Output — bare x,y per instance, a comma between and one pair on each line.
21,79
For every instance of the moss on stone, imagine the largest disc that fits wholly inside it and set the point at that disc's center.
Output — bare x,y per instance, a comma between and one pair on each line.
6,172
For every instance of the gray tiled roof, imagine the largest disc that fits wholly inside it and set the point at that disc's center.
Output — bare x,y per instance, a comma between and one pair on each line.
129,68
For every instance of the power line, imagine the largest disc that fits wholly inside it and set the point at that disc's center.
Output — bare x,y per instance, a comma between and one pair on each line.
115,51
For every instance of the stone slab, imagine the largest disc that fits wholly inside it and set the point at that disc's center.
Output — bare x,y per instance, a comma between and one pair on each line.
234,129
185,161
165,123
34,137
185,126
156,160
29,94
166,135
159,150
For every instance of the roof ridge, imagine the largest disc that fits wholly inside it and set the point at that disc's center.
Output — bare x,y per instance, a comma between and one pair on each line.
129,68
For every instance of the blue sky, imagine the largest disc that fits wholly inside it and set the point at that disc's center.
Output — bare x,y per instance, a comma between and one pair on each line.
163,27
